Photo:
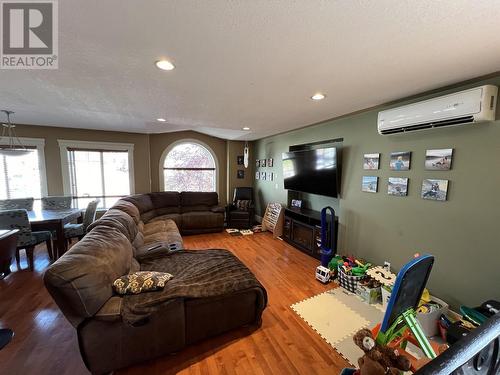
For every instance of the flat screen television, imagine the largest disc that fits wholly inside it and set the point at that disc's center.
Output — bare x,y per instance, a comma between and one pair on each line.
312,171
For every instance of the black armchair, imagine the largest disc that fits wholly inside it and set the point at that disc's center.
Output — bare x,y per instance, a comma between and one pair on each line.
240,213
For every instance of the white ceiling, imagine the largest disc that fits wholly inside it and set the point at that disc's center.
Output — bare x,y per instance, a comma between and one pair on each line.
249,62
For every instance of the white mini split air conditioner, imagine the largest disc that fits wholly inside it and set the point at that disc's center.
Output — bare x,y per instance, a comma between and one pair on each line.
469,106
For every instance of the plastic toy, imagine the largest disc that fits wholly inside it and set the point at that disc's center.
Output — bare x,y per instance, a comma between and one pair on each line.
323,274
400,324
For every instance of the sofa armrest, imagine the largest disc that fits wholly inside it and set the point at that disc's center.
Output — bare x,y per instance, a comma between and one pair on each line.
218,209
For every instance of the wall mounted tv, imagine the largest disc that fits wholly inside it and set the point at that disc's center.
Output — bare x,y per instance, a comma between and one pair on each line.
312,171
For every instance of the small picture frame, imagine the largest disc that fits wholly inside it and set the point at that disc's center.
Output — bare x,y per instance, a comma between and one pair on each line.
263,162
257,163
371,161
257,175
263,176
270,162
270,176
369,184
438,160
296,203
239,159
397,186
400,161
436,190
240,174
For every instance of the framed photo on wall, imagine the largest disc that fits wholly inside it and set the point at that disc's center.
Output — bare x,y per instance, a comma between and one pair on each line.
263,162
270,162
263,176
436,190
397,186
369,184
240,174
257,163
438,160
257,175
371,161
239,159
400,161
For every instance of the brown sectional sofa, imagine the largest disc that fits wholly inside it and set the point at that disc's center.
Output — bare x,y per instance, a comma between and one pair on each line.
192,212
200,301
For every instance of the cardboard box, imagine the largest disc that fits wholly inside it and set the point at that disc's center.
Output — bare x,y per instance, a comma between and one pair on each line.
369,295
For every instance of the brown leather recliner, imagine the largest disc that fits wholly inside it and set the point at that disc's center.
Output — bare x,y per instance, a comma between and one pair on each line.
241,217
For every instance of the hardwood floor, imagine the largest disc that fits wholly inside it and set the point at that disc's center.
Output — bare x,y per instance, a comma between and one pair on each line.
45,343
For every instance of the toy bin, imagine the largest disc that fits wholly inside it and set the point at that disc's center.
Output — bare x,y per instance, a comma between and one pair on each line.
349,282
429,321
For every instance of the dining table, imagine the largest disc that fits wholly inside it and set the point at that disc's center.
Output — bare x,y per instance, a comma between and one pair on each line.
54,221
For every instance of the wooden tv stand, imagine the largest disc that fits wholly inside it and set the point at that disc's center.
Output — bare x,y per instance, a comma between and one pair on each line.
302,229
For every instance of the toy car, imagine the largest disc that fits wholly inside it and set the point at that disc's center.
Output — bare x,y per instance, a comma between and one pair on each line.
323,274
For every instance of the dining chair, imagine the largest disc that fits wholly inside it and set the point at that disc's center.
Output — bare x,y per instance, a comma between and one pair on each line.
18,203
79,230
56,203
26,239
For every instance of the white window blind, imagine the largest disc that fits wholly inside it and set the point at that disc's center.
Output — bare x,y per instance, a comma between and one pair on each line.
20,174
95,173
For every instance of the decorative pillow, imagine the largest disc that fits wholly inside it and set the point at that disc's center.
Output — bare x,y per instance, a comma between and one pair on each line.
243,205
141,281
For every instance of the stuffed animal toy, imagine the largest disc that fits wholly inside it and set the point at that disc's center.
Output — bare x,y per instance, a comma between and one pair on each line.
368,366
383,355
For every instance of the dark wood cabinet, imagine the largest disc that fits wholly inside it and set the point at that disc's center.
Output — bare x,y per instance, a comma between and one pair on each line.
302,229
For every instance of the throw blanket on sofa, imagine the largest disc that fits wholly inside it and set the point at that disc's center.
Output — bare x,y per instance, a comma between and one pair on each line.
197,274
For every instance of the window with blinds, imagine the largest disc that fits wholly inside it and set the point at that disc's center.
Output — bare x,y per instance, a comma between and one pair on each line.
20,175
102,174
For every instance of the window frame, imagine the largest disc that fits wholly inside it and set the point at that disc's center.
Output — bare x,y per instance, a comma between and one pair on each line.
39,144
105,146
181,141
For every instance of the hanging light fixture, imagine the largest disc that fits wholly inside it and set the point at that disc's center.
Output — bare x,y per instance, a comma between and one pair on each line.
11,146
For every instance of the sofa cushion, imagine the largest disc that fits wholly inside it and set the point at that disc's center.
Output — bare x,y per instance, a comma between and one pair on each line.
243,205
198,201
141,201
139,240
141,281
202,219
167,202
154,227
156,237
128,208
144,204
177,218
117,219
81,280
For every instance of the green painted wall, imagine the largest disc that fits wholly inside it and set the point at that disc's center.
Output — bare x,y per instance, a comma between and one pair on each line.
463,233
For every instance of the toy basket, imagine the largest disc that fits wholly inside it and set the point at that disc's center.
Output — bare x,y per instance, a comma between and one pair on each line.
349,282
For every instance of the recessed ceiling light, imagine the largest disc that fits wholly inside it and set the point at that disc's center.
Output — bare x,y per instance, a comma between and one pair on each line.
161,119
245,128
164,65
318,96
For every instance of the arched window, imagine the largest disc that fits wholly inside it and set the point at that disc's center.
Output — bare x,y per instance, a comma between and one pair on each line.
189,166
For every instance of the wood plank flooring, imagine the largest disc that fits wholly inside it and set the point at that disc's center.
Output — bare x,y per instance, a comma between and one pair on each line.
45,343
